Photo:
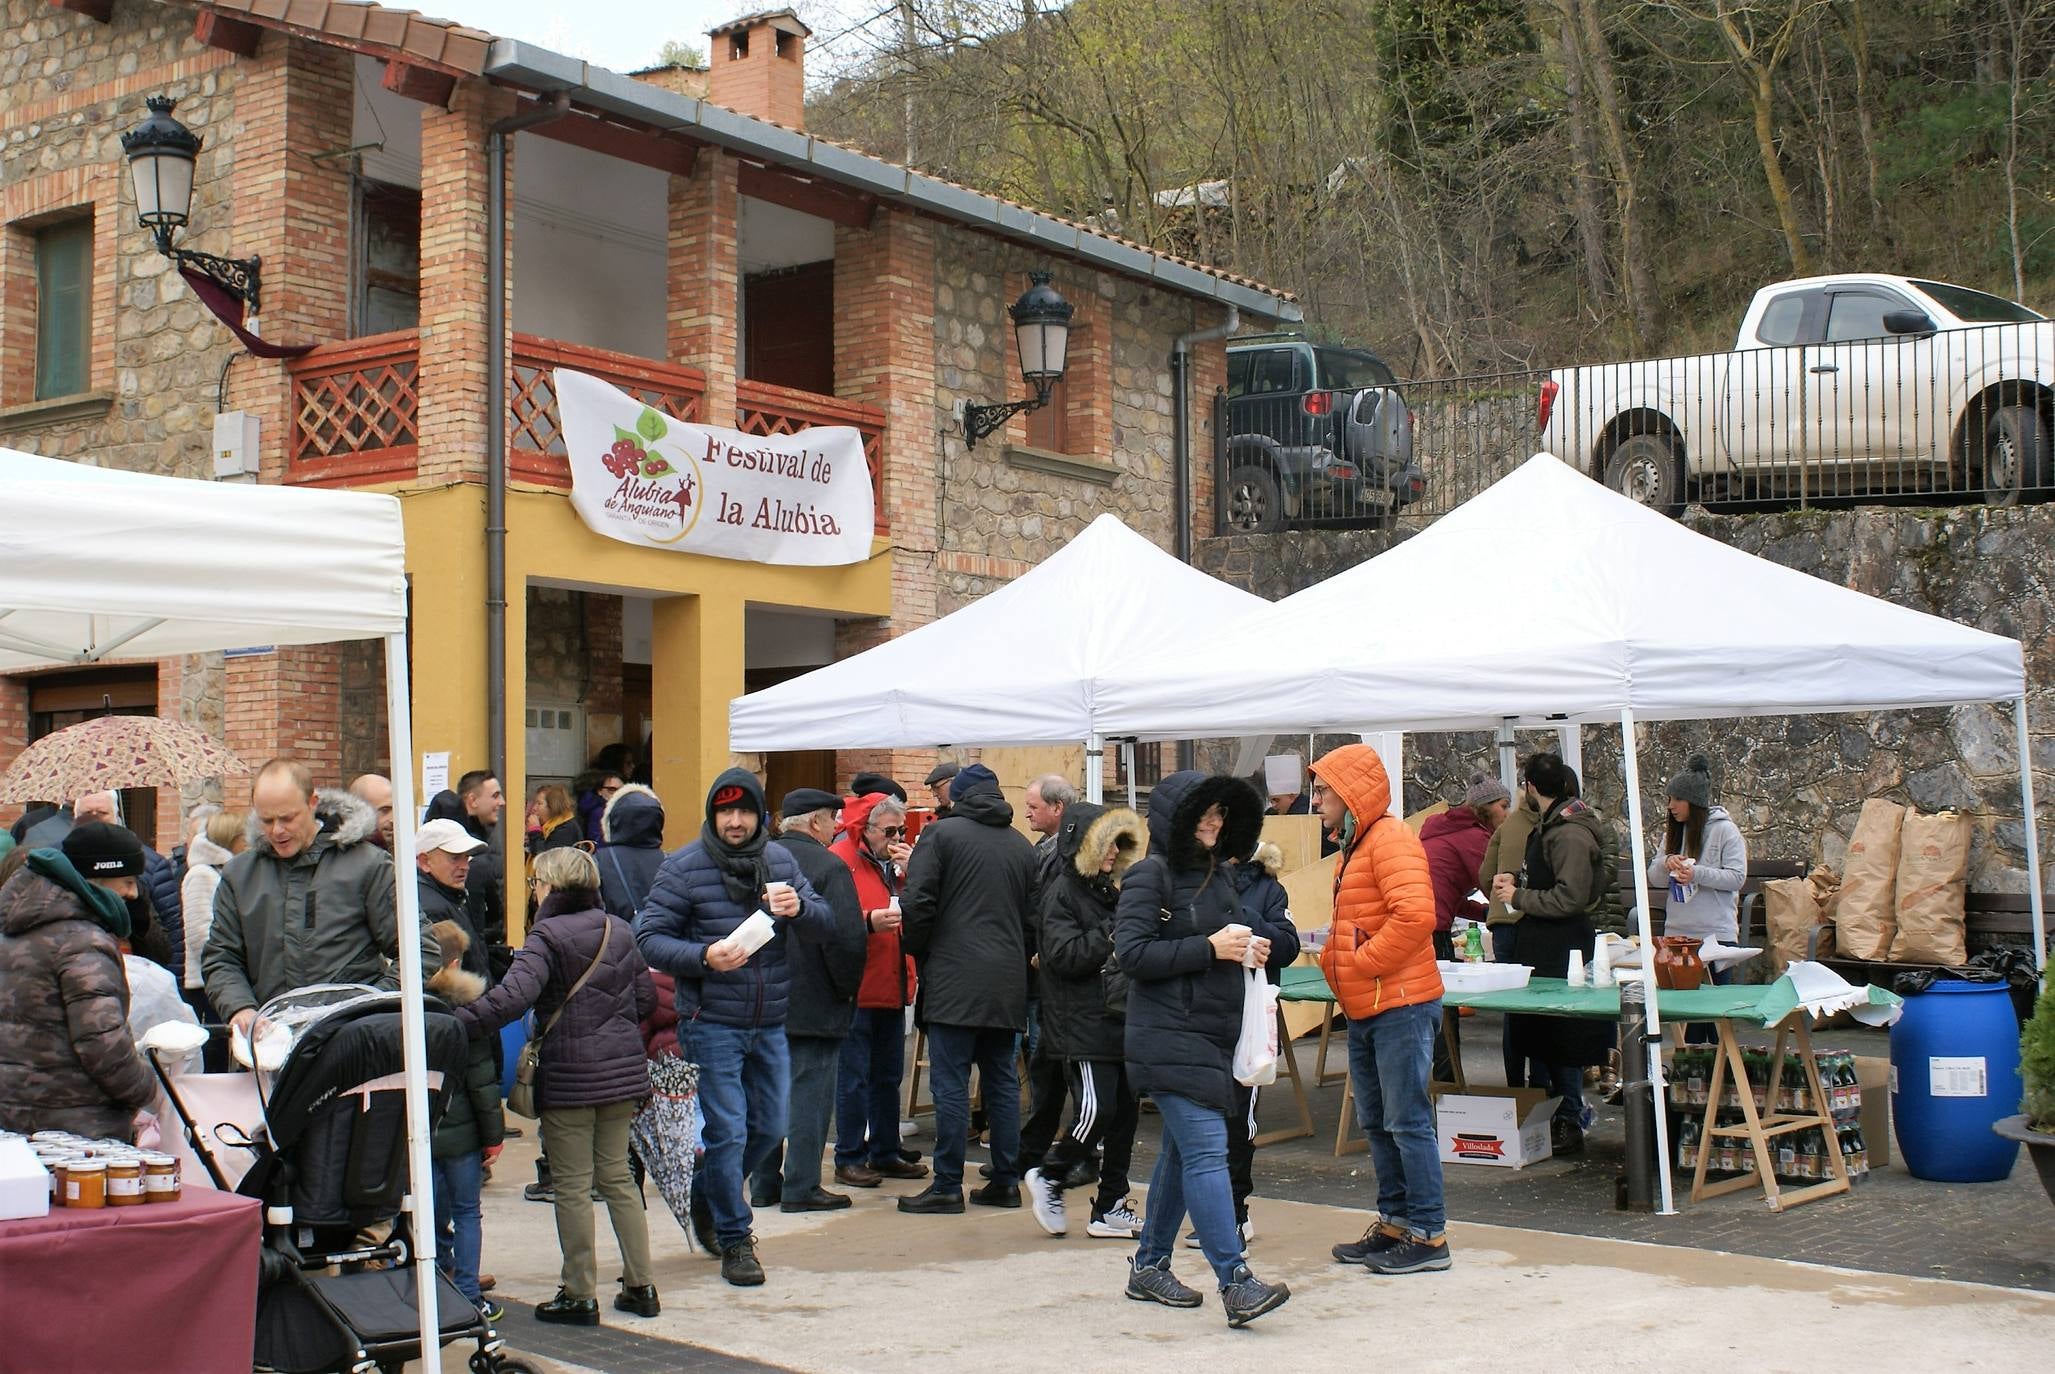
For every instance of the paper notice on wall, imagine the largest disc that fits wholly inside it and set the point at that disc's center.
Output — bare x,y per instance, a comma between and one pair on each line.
644,477
1957,1077
435,775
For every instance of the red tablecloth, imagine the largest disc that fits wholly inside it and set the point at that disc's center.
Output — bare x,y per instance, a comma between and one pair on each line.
171,1286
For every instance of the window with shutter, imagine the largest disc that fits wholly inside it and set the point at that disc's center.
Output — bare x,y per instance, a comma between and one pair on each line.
64,308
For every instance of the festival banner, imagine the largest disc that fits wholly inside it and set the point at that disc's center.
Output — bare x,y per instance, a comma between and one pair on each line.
643,477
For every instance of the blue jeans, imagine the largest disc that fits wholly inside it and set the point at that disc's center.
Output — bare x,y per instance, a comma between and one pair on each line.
951,1052
744,1079
1561,1080
1389,1058
459,1228
867,1088
1191,1172
811,1104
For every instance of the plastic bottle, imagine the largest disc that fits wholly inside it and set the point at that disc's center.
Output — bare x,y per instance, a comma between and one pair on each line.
1473,943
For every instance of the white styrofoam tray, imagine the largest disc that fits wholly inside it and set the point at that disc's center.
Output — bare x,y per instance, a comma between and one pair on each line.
1483,977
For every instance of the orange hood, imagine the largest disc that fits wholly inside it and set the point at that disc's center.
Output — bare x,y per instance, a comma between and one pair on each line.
1357,773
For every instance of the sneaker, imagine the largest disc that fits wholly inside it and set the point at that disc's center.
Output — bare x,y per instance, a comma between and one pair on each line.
493,1313
1047,1200
1247,1228
540,1192
1378,1239
641,1301
1120,1222
1411,1256
1155,1283
1247,1297
739,1264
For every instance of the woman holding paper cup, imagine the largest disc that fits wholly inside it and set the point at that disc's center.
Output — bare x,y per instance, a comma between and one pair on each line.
1181,939
582,973
1703,861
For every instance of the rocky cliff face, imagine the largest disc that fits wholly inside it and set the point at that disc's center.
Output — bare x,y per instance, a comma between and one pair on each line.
1795,784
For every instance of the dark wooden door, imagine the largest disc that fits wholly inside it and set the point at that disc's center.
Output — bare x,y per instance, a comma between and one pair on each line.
789,327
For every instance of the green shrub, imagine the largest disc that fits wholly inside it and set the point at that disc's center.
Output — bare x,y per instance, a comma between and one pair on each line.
2037,1062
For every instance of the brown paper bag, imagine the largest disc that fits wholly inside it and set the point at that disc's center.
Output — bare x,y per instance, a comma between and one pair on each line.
1792,907
1865,909
1933,865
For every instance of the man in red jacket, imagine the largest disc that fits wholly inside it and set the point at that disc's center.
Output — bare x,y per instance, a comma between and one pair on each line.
873,844
1455,842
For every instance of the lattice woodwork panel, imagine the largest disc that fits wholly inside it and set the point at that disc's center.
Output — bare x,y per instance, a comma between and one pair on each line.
355,411
534,422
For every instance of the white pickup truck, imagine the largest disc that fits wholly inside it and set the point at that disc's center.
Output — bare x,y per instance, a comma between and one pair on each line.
1848,385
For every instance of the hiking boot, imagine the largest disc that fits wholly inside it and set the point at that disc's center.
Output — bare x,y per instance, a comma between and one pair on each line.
1118,1222
641,1301
565,1310
1247,1297
1564,1139
858,1175
996,1194
739,1264
540,1192
937,1201
1047,1200
1411,1256
1155,1283
1379,1238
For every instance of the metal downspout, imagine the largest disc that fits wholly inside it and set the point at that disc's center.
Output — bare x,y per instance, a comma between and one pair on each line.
559,104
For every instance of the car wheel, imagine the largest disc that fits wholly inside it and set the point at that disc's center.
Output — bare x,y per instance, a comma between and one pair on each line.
1647,469
2015,454
1254,500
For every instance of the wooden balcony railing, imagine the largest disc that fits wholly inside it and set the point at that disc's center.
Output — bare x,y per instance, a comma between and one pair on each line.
355,408
761,408
354,411
535,430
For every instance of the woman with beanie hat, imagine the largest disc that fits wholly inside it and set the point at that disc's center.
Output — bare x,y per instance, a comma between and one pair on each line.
1703,861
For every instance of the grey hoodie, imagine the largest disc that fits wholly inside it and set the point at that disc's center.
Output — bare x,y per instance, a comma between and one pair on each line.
1715,882
326,915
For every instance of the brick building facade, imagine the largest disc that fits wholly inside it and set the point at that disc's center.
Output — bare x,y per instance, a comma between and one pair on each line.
762,280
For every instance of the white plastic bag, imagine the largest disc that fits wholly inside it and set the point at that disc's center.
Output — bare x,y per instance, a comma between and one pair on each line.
1255,1053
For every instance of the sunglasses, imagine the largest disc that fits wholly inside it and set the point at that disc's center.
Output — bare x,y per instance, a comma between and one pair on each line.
891,832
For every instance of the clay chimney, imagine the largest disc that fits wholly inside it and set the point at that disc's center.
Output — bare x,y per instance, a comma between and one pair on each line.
688,81
757,66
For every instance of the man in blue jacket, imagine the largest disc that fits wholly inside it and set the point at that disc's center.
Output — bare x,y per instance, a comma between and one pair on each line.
732,1003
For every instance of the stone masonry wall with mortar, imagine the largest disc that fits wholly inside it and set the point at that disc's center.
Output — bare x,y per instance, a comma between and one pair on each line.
1795,784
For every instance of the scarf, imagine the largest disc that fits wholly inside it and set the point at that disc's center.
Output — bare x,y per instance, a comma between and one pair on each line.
744,871
100,904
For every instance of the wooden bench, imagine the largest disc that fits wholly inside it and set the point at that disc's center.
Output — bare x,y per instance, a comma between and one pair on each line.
1991,920
1748,923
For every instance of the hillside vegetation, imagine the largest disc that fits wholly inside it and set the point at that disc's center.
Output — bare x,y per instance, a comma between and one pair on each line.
1475,185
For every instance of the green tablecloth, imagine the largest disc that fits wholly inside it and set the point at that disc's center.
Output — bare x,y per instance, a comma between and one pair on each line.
1764,1004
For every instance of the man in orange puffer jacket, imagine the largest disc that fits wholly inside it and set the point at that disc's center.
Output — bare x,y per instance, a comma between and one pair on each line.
1379,959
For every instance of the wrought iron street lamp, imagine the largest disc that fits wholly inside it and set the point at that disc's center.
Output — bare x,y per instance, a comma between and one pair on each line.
161,156
1041,329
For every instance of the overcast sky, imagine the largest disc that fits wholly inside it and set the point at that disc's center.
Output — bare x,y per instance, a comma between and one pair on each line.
628,34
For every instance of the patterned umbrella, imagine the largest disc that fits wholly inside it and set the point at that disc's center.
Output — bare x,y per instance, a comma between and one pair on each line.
115,751
666,1136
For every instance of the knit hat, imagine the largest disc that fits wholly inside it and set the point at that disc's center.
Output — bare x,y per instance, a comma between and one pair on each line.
804,801
941,772
1484,790
99,850
1694,784
968,779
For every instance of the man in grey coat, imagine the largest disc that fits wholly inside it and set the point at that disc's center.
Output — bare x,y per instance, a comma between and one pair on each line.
310,901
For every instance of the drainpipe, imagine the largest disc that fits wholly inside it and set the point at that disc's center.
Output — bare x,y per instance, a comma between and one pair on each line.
558,105
1181,446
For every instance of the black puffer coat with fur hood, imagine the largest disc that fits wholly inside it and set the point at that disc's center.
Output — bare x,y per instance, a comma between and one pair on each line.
1074,932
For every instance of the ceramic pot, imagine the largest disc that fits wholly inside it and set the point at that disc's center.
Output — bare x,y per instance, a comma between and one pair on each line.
1677,965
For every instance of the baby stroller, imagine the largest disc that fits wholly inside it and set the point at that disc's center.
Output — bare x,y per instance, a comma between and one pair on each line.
331,1165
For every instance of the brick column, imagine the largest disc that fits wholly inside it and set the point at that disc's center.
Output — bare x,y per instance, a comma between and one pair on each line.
454,301
885,356
1209,375
14,734
287,704
705,279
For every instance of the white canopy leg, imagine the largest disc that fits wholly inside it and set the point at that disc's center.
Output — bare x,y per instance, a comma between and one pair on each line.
413,1030
1629,754
2033,837
1391,748
1127,757
1095,769
1508,757
1570,744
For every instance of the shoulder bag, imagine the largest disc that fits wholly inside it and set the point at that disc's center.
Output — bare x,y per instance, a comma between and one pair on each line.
521,1098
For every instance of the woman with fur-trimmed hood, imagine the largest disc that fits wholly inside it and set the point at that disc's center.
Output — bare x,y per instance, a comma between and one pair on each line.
1266,909
1084,1018
473,1127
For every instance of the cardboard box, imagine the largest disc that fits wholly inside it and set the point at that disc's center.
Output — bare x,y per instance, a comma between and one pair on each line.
1874,1075
24,1185
1504,1128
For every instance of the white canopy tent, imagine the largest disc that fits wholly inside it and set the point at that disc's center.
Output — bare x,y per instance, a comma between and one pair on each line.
1608,612
98,563
1017,666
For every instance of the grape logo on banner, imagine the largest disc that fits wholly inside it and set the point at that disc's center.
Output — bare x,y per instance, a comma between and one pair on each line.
643,477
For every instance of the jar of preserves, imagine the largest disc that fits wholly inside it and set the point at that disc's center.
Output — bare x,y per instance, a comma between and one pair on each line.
85,1183
124,1181
161,1181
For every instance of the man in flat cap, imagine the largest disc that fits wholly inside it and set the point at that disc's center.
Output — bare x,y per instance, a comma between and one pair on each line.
825,977
939,781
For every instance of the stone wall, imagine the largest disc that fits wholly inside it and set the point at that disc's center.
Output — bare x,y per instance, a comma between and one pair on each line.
574,657
1795,784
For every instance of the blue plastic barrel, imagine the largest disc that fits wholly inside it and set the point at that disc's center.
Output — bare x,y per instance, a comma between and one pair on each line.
1954,1071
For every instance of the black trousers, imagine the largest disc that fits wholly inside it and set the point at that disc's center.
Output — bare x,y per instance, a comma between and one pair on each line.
1451,1019
1048,1082
1107,1116
1241,1149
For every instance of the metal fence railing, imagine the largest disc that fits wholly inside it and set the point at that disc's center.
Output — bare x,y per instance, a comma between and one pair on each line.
1958,415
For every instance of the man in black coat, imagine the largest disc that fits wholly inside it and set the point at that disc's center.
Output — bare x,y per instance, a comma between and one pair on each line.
825,976
444,852
966,911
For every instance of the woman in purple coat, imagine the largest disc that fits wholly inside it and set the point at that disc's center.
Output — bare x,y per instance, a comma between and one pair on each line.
583,975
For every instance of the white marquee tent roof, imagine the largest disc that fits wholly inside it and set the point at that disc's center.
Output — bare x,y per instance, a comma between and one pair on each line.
1551,599
1016,666
100,563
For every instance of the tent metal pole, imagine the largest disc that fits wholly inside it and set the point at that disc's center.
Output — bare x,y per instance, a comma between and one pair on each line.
1095,768
2035,898
1508,757
1127,756
1639,842
413,1025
